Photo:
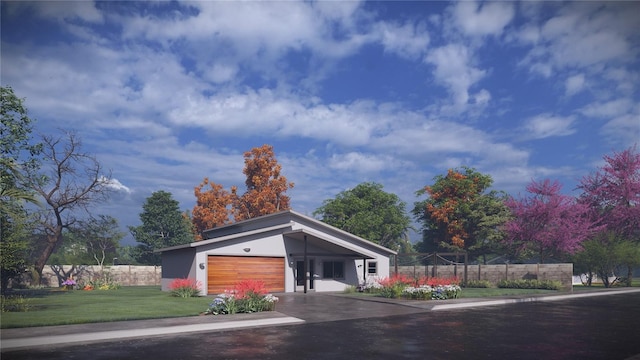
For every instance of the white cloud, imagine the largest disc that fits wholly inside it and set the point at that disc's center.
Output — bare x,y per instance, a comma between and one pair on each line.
408,40
220,73
574,84
624,129
487,18
358,162
454,69
433,138
608,109
583,35
547,125
115,185
267,112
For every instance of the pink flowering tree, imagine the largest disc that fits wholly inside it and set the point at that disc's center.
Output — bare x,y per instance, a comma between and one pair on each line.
547,223
613,192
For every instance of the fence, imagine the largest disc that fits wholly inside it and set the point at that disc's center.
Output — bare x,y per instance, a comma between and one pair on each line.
124,275
494,273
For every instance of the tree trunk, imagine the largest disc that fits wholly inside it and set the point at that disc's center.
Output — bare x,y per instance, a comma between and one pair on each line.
52,242
629,275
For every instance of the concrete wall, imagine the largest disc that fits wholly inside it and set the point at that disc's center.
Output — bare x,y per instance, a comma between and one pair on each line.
495,273
125,275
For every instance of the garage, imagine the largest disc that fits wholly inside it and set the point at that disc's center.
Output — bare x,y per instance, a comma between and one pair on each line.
225,271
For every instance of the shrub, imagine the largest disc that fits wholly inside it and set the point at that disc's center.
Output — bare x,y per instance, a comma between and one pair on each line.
530,284
185,288
484,284
14,303
349,289
69,284
249,288
417,289
247,296
392,287
103,281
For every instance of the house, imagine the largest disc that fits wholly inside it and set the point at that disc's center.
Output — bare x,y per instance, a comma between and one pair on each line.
289,251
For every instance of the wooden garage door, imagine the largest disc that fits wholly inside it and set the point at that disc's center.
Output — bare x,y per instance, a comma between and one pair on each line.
225,271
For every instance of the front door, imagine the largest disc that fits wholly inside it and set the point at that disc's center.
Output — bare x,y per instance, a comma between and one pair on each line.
300,274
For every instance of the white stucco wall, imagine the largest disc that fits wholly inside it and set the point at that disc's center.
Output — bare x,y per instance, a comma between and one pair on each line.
272,243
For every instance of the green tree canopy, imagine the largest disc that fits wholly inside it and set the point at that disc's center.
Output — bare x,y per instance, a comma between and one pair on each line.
18,154
163,225
369,212
460,213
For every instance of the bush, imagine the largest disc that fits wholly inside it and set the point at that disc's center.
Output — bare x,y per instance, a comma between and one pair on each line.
393,287
14,303
349,289
530,284
422,288
103,281
185,288
482,284
247,296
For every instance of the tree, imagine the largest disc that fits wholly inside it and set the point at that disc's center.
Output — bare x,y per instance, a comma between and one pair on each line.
162,226
14,248
607,256
75,182
266,186
89,241
212,207
15,136
18,154
460,214
265,194
484,224
370,213
613,192
548,223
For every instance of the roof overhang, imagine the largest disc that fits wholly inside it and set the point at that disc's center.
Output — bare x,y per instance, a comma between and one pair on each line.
226,238
333,247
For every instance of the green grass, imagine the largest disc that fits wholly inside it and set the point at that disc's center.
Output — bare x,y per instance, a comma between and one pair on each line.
58,307
488,292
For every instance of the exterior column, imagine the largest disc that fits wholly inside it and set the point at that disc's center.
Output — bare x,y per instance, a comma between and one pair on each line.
306,266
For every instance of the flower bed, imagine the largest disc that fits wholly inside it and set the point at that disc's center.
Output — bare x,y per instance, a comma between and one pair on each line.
185,288
247,296
423,288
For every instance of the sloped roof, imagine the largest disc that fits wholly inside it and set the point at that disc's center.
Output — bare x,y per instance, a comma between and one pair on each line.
281,221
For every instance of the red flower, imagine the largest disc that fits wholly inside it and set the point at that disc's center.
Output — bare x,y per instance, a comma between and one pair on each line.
249,287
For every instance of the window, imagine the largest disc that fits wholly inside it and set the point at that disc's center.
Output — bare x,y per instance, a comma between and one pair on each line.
333,269
373,268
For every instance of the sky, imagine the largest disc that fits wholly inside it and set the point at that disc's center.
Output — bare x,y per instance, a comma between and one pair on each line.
165,94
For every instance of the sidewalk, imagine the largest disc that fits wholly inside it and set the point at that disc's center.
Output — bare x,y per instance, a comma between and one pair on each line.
292,309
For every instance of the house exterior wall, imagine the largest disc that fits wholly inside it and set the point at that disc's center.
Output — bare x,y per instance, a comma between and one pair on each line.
178,264
193,262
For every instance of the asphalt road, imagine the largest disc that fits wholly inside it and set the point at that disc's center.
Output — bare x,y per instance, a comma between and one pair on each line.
605,327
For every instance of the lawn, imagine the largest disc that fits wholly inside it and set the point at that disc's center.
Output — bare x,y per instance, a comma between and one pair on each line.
59,307
488,292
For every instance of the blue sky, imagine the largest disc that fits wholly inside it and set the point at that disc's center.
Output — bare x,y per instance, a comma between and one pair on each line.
165,94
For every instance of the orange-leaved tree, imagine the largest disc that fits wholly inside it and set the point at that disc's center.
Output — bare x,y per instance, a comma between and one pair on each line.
448,214
212,207
266,188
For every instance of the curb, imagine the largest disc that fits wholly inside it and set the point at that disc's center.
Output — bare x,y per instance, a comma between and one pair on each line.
30,342
528,299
